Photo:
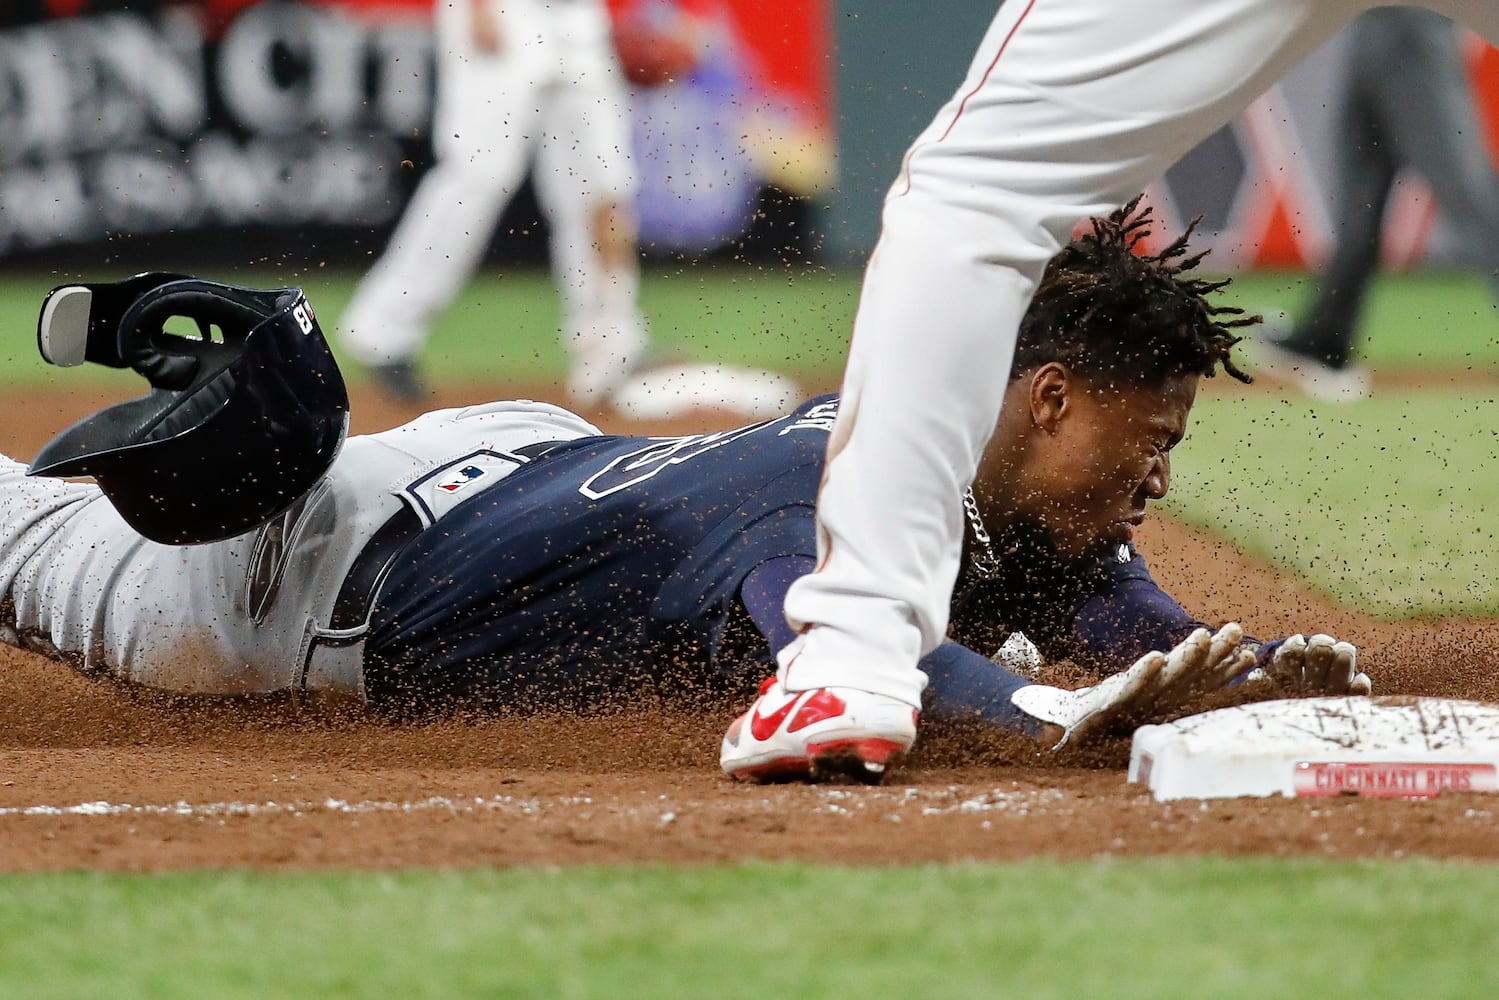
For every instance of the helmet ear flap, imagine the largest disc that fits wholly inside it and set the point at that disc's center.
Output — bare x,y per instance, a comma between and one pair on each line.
63,327
80,323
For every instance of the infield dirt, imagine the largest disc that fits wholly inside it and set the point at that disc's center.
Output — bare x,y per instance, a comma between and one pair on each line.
94,777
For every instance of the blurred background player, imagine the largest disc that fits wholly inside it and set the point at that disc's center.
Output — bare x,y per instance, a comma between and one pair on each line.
520,84
1068,108
1405,103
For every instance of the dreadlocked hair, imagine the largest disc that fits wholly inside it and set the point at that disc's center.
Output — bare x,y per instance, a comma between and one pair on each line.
1111,313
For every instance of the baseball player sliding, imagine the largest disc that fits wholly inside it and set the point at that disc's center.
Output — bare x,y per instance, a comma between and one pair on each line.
1069,107
509,555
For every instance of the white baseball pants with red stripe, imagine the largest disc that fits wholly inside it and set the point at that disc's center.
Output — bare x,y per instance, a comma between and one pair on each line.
1070,108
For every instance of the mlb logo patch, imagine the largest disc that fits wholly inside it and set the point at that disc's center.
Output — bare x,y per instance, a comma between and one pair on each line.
441,489
461,478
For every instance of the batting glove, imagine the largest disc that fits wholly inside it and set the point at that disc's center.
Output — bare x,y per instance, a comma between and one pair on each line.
1157,685
1319,665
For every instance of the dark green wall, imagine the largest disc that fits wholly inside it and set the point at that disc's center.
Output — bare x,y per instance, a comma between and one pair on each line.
896,63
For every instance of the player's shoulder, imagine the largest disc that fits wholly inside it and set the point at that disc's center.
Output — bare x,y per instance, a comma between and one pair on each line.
778,443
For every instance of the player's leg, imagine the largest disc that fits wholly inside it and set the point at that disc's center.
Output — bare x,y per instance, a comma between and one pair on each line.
84,588
1068,109
442,234
595,265
485,114
33,514
1065,112
1368,156
585,178
1431,113
603,330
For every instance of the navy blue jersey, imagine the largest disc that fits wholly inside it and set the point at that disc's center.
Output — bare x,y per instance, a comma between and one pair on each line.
605,557
609,560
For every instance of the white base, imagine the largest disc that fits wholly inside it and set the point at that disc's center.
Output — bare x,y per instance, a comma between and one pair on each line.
1388,747
671,391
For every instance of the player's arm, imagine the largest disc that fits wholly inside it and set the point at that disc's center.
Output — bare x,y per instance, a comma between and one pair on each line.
1129,615
1123,616
763,594
962,684
965,686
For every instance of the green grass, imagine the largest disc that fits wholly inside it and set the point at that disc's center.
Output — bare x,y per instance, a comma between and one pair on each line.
1387,505
1194,928
1413,320
505,327
793,319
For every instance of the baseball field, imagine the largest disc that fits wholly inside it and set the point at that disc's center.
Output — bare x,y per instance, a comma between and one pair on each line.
150,848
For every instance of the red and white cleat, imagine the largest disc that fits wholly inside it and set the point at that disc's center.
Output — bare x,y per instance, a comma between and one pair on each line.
817,735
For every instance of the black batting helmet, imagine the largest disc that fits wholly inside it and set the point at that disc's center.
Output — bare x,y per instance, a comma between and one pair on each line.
244,416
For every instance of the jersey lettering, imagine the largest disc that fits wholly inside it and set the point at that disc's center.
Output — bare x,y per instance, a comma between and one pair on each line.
661,453
817,418
302,313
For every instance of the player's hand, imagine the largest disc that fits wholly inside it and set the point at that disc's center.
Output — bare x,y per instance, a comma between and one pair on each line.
1157,685
1319,665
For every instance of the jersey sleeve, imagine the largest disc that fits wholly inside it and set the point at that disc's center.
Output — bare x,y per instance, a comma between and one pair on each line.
763,594
964,686
1126,616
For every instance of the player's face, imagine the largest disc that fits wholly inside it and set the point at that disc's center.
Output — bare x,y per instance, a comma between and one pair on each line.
1106,456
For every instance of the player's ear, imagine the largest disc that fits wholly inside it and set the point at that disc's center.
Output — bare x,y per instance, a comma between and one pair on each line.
1050,388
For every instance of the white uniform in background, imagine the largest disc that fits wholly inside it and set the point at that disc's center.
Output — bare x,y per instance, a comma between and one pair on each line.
532,84
1070,108
551,95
